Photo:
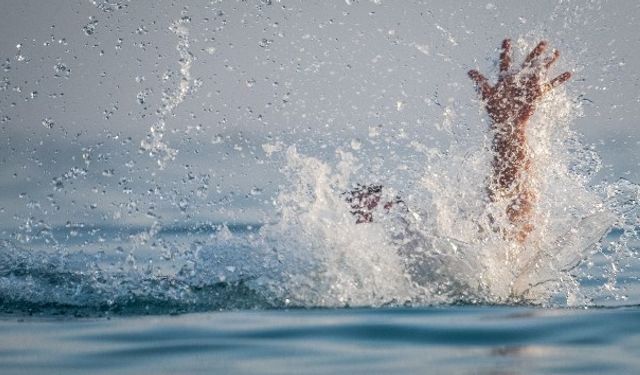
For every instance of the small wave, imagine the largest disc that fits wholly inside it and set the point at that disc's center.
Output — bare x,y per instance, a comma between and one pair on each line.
77,284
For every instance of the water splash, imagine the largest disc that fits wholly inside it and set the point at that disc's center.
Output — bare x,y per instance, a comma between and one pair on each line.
154,143
324,258
439,249
444,246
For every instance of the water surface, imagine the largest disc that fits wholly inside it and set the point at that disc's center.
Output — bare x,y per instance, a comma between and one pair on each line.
446,340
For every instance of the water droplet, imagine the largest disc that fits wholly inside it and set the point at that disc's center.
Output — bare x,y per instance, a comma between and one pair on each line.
142,95
374,131
265,43
57,184
62,71
109,6
19,56
90,27
6,65
216,139
48,123
183,204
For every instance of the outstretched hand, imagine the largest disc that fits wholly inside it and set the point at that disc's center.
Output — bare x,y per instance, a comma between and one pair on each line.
512,100
510,103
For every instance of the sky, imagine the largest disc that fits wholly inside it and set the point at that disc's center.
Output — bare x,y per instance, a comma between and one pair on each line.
85,83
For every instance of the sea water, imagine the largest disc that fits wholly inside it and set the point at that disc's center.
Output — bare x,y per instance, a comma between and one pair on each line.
437,340
67,314
429,286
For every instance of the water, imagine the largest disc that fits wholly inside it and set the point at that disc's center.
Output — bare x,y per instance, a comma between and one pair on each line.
174,183
85,312
446,340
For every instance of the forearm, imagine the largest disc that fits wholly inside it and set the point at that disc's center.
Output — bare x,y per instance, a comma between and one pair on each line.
511,160
511,176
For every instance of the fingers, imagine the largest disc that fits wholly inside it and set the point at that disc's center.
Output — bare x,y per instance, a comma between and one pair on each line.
482,84
551,60
505,55
536,52
562,78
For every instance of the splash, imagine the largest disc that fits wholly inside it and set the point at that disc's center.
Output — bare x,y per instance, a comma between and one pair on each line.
438,248
154,143
324,258
443,247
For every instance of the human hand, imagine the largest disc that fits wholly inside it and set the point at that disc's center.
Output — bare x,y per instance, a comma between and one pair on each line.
512,100
363,199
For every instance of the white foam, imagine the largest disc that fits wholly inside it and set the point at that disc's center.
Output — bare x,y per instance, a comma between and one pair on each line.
445,247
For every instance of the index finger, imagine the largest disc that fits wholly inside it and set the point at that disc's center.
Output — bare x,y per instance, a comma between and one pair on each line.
505,55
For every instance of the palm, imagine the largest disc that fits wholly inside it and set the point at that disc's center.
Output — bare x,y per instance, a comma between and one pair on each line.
513,97
511,101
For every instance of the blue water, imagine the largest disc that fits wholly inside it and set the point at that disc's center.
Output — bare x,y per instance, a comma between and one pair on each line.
444,340
86,311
